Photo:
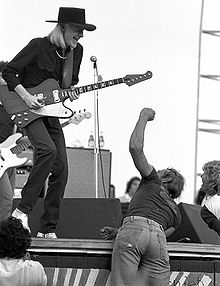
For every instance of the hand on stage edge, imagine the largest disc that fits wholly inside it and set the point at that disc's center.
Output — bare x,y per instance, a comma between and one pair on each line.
108,232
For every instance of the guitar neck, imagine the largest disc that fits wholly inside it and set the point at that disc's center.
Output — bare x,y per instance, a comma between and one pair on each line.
65,123
86,88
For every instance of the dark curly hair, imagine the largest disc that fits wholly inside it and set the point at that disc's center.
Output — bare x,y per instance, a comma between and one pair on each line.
173,181
14,238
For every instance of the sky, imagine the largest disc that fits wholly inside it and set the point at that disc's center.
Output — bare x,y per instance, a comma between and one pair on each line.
133,37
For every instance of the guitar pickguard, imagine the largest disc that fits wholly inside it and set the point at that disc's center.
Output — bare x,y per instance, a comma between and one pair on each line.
54,110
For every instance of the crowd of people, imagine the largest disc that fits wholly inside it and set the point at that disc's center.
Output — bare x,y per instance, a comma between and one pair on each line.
140,255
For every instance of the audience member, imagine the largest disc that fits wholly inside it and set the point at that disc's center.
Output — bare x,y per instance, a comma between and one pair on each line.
140,255
131,188
112,191
16,268
210,211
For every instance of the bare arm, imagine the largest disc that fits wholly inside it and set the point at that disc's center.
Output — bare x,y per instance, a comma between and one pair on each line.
136,143
169,231
31,100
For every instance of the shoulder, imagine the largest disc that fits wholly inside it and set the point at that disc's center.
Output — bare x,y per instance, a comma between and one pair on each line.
125,198
42,43
38,41
79,47
153,177
35,273
33,264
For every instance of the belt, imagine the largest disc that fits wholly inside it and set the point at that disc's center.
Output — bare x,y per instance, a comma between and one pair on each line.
149,221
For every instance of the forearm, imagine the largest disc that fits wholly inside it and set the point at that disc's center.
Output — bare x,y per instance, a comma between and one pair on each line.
32,101
136,143
169,231
22,92
137,137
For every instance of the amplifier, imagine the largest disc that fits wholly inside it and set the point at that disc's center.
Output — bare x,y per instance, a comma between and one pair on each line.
81,179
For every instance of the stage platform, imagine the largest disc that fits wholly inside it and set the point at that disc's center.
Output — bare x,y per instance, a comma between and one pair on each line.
87,262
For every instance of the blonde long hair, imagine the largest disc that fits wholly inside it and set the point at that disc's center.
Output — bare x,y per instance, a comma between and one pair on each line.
56,37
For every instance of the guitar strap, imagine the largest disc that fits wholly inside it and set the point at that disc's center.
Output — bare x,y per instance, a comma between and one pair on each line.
68,69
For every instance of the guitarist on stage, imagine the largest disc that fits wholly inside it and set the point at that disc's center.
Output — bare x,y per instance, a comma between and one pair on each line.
41,59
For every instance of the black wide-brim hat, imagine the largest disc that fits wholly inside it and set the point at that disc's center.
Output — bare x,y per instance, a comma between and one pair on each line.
76,16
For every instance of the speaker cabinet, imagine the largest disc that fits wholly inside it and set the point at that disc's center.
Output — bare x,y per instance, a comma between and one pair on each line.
79,218
192,228
81,180
21,177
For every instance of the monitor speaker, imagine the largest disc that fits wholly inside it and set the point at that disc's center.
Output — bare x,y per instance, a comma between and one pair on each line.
81,179
192,228
79,218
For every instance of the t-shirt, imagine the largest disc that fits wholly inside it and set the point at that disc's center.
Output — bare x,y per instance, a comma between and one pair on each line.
152,202
19,272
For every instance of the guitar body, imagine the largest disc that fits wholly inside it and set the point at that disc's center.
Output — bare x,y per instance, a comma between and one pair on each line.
7,158
23,115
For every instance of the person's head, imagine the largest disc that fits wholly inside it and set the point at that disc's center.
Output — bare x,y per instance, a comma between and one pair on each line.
211,178
14,239
69,29
173,181
112,191
132,186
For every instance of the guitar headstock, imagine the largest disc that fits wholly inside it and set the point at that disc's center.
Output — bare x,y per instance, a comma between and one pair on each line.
132,79
80,116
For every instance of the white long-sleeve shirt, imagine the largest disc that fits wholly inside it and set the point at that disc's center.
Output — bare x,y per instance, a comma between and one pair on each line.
17,272
213,204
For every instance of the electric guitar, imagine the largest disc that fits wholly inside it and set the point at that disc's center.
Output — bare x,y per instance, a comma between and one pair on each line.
53,97
9,149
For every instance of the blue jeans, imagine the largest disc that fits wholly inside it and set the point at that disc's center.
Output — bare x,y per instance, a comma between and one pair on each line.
140,255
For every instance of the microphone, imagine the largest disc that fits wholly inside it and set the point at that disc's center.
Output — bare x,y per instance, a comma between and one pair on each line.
93,59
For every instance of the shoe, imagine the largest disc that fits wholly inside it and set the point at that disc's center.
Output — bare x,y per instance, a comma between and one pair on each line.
23,217
40,235
50,235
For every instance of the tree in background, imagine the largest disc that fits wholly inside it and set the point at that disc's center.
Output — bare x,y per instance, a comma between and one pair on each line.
2,64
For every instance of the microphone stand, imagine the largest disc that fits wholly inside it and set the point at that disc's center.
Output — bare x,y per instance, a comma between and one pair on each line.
96,145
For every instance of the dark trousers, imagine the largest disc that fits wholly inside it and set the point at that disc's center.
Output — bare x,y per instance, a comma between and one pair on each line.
47,137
